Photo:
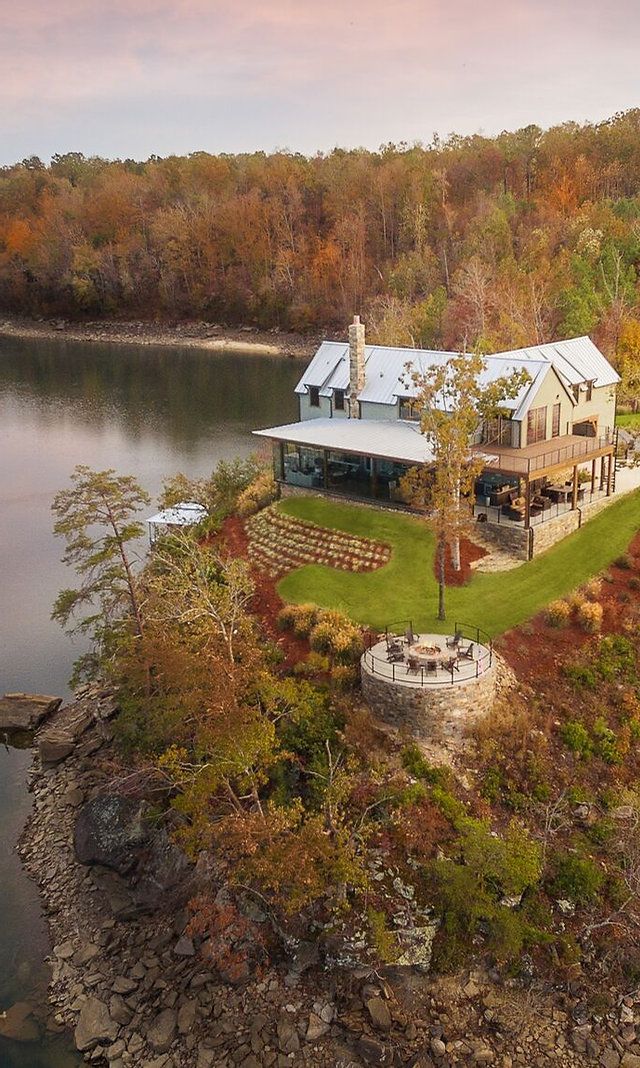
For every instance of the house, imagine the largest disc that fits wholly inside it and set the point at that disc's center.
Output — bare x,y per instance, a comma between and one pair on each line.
359,428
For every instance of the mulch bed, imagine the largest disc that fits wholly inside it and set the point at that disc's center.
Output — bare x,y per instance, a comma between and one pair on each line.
266,602
535,650
469,552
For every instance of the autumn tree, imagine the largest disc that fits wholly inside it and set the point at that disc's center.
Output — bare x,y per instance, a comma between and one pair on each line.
453,399
97,517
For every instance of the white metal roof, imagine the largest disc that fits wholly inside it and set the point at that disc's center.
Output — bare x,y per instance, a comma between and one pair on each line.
183,514
576,359
384,438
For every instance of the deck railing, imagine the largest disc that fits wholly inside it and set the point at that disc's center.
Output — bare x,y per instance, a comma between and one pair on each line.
552,457
379,665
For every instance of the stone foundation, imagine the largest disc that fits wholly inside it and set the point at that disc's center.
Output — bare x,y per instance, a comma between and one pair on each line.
437,715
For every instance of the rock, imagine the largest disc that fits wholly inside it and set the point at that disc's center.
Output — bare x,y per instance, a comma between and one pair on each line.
373,1052
438,1047
610,1059
164,874
110,831
162,1030
379,1013
206,1058
288,1040
64,951
184,947
630,1060
94,1025
53,748
187,1016
118,1010
25,711
122,985
18,1024
316,1028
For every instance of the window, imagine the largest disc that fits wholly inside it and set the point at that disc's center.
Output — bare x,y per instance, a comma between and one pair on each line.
314,397
536,425
338,400
555,422
408,409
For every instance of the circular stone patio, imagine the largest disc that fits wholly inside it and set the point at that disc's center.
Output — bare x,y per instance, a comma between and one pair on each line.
425,692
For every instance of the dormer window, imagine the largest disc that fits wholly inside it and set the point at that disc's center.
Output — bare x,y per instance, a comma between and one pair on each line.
338,400
409,410
314,396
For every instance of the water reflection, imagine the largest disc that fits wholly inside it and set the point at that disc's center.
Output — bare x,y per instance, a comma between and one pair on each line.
145,411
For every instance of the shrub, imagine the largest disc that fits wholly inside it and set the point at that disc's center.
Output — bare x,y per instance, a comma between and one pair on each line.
337,637
286,617
344,676
416,764
304,619
624,562
315,664
257,495
634,583
558,613
382,937
592,589
606,742
576,600
576,737
590,617
577,878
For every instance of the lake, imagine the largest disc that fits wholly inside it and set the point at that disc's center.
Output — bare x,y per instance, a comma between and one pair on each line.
144,411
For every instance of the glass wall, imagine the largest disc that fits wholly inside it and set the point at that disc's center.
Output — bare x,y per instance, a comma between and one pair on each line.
348,473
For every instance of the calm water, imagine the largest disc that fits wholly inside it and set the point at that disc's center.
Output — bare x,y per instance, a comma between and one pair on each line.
146,412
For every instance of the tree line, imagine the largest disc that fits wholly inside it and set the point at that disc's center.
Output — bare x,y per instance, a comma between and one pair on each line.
498,242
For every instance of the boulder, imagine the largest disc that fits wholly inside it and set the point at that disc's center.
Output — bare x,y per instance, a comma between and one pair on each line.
110,831
94,1025
25,711
162,1030
164,874
55,747
379,1013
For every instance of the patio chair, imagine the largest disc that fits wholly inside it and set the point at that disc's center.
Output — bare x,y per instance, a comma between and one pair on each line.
395,656
454,641
409,636
394,646
452,665
432,667
414,667
467,654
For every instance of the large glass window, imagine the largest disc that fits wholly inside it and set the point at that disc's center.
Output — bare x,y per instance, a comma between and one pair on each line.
303,466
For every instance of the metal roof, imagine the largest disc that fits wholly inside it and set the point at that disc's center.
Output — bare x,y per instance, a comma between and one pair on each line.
385,438
576,360
184,514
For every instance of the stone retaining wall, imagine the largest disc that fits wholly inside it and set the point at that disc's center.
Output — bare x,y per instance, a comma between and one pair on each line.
438,715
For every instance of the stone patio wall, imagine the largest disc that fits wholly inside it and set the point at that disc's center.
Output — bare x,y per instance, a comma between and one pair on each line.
438,715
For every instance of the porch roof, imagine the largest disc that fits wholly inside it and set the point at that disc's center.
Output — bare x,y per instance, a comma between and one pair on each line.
384,438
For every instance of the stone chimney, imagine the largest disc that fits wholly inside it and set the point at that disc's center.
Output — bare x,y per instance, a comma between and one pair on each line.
356,365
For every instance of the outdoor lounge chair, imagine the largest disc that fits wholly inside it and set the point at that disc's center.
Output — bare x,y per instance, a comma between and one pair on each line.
467,654
452,665
414,667
394,645
395,656
409,636
454,642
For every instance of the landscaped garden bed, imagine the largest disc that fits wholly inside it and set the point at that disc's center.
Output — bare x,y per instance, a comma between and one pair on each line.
279,543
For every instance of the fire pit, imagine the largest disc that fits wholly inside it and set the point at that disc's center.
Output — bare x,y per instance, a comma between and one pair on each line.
425,650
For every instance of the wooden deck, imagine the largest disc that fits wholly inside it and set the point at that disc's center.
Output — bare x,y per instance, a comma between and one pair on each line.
545,456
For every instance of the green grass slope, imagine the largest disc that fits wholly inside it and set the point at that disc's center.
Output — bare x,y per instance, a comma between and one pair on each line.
406,588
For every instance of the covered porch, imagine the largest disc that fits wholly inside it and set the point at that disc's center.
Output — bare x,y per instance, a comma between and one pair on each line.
541,481
356,458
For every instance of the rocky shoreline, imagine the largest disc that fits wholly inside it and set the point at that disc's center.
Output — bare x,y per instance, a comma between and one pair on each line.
211,337
137,987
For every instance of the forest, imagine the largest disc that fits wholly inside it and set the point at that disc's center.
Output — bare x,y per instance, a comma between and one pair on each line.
493,242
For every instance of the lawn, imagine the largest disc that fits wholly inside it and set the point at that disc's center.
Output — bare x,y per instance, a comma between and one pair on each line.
630,421
405,588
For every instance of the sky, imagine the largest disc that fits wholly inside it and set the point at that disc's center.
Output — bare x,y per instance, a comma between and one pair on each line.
129,78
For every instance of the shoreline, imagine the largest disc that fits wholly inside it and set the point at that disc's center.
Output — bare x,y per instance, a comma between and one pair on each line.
208,337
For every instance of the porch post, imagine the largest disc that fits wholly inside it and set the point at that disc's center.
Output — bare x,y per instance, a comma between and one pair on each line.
527,504
593,476
574,488
609,474
602,472
325,468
